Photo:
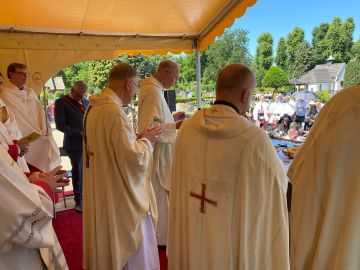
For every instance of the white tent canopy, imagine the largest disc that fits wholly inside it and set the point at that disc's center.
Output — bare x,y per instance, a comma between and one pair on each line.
50,35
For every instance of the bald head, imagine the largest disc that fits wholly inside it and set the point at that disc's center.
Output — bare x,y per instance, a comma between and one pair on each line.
123,80
235,77
235,84
167,65
167,73
122,72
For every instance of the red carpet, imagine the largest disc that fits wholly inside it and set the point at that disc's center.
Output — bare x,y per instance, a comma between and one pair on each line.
68,227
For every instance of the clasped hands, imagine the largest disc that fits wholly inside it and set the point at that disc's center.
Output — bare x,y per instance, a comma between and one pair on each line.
56,178
151,133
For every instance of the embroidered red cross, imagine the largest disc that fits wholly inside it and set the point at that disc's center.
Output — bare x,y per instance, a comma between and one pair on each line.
203,198
212,110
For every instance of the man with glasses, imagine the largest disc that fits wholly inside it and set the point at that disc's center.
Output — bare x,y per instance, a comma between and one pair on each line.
154,111
69,114
29,114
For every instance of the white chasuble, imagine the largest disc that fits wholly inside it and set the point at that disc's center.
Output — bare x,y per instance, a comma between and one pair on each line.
27,238
154,111
117,190
228,196
9,132
30,117
325,218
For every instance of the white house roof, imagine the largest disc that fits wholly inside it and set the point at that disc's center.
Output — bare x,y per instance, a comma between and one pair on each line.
327,73
55,83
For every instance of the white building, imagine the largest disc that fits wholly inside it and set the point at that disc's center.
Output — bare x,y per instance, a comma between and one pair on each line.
328,76
55,84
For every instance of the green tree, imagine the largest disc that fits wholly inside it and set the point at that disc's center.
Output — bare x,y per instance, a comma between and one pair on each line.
58,94
352,73
275,77
318,42
324,95
145,65
75,72
187,79
188,72
281,55
294,40
263,57
99,72
347,38
355,51
45,96
338,40
231,47
303,59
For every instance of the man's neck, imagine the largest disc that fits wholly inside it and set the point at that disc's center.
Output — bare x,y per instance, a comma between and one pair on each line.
21,87
227,103
158,79
70,95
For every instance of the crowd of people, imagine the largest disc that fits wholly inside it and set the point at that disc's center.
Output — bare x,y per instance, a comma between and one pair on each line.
210,189
285,117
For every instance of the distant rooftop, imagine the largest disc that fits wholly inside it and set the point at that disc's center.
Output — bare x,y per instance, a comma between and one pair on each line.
326,73
59,83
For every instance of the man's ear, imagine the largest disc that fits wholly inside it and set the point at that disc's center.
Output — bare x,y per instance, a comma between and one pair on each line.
244,95
127,85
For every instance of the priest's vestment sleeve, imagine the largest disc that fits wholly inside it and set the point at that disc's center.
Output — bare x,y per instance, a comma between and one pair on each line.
242,223
325,219
26,215
117,193
26,222
154,111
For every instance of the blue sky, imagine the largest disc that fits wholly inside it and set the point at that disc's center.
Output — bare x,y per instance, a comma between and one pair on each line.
280,17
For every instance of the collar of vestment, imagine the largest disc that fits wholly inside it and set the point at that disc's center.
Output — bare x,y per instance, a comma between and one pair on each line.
221,122
223,102
10,86
106,96
152,80
24,94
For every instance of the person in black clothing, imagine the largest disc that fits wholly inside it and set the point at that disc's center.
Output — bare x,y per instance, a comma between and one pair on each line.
69,114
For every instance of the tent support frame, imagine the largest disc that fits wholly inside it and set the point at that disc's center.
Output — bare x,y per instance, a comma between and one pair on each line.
198,74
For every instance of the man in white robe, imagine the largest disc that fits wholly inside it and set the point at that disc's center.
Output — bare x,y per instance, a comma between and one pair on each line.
119,207
27,238
10,133
30,117
261,109
154,111
325,219
228,187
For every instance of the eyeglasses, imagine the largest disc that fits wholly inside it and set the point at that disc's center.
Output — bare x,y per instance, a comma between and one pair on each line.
26,74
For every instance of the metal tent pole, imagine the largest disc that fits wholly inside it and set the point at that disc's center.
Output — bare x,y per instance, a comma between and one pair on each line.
198,75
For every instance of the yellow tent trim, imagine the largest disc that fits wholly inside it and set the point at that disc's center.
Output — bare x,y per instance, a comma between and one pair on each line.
155,51
225,22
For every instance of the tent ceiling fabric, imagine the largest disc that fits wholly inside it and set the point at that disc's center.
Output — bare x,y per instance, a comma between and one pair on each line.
156,18
49,35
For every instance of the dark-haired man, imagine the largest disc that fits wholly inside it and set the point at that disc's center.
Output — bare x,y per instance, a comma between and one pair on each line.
29,114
